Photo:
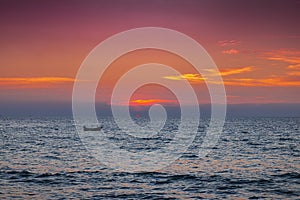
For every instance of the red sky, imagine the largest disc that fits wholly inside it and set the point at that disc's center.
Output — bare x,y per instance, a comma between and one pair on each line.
255,44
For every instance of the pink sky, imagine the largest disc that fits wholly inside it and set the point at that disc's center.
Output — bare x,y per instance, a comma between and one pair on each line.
255,44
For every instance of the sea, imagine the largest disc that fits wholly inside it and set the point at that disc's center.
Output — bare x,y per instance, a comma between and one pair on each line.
254,158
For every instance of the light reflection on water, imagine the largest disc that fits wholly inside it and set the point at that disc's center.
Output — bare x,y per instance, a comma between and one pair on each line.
255,157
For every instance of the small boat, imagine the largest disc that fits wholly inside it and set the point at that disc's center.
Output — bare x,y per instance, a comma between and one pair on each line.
92,128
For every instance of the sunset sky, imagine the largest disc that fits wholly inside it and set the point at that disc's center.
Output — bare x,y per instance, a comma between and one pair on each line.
255,44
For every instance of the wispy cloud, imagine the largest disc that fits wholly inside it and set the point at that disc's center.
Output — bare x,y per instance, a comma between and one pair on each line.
291,57
284,80
293,73
230,71
33,82
196,78
229,42
227,72
276,81
188,77
230,51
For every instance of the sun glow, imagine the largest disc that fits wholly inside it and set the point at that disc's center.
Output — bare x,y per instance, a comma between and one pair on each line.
149,102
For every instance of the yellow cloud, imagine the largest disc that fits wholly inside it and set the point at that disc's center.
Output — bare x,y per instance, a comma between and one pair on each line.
212,72
230,71
272,81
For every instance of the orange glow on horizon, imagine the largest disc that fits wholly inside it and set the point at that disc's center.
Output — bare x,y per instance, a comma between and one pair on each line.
33,82
149,102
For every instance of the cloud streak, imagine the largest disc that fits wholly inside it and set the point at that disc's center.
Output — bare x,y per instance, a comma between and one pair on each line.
253,82
196,78
291,57
230,71
189,77
228,43
231,51
33,82
276,81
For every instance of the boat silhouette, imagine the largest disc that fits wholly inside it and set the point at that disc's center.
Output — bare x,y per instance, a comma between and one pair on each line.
92,128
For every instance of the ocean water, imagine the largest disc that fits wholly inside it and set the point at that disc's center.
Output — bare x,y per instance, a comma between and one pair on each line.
255,158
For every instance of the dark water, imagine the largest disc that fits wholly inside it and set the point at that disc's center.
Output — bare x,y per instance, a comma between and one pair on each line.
255,158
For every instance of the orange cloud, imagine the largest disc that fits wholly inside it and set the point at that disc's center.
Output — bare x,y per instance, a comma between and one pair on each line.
231,51
292,57
33,82
296,66
148,102
230,71
227,72
276,81
293,73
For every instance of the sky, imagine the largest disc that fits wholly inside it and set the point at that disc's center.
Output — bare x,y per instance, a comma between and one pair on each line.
255,44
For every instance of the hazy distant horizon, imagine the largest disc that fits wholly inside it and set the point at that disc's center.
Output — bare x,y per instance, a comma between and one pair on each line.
12,109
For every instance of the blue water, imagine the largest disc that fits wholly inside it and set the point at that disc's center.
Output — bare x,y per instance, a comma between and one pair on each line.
256,158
